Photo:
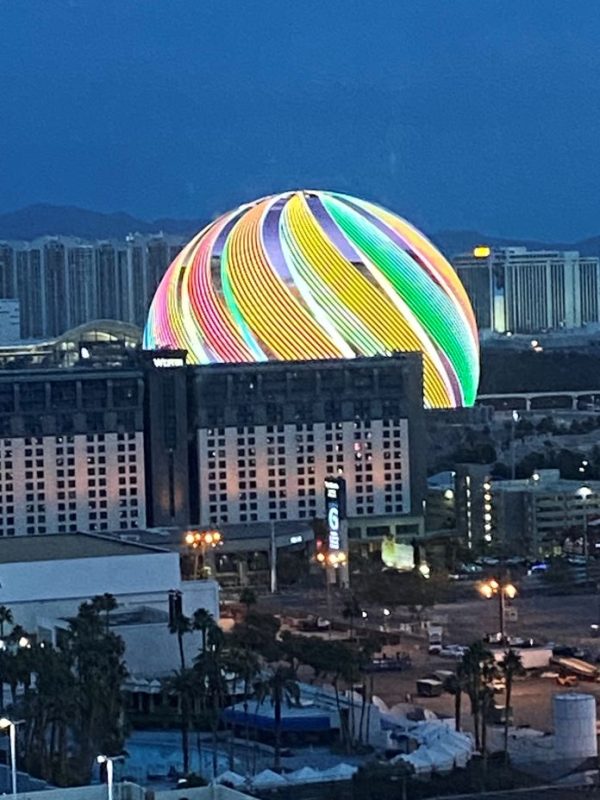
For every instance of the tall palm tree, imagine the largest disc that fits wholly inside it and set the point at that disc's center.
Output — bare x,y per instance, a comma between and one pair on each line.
476,666
279,686
183,683
180,626
510,666
203,621
455,685
351,610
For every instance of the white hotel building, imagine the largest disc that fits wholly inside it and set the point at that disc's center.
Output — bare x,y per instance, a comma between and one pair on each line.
516,290
269,434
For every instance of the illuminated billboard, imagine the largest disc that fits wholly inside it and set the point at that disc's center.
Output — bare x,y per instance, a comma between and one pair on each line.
335,511
315,275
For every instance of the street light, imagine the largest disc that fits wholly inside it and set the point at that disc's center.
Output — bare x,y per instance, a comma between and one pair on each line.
501,590
330,561
12,733
109,761
584,492
199,542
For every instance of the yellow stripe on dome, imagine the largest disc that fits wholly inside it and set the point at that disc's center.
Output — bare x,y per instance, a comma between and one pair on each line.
274,315
364,299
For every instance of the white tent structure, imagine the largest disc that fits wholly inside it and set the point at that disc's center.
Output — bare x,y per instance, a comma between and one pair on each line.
442,760
230,777
305,775
267,779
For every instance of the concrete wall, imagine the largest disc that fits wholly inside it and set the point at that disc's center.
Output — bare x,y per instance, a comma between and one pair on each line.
131,791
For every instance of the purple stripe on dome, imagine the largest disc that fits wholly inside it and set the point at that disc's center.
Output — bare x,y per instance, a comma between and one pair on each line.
219,244
333,233
272,243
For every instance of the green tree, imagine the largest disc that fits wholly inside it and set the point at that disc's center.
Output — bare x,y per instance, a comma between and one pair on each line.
105,603
477,668
279,686
510,667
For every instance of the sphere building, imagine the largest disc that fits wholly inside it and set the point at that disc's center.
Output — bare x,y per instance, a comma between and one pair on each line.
315,275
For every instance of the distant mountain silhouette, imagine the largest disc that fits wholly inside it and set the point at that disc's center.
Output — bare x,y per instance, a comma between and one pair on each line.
49,220
453,242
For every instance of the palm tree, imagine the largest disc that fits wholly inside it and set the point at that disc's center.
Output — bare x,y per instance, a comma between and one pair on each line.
510,667
182,683
476,666
203,621
106,603
350,611
455,685
280,686
180,626
6,618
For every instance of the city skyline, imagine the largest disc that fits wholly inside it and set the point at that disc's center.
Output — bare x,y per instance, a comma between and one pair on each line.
479,136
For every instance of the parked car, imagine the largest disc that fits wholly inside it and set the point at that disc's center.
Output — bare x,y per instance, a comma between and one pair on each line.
456,651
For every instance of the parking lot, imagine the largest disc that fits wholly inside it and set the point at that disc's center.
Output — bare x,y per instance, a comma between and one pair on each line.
564,619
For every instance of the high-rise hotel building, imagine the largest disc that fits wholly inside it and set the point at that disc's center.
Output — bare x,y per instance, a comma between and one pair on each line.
71,451
516,290
151,442
61,282
267,435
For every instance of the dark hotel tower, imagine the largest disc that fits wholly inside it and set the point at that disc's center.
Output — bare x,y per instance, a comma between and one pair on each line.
166,441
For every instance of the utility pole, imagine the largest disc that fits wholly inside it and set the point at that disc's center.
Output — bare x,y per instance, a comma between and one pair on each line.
273,559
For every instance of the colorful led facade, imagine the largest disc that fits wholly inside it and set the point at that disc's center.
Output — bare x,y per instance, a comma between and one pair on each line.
310,275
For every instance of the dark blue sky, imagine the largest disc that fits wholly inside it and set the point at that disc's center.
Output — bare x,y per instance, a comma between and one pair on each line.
480,114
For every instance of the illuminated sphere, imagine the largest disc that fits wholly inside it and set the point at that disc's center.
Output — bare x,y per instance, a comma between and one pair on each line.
312,275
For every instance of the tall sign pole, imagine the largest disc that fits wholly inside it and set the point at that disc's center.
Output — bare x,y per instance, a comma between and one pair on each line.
337,527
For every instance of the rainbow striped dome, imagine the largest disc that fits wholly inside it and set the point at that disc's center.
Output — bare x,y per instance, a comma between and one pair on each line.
310,275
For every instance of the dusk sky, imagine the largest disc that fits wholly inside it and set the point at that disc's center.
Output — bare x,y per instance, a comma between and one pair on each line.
464,114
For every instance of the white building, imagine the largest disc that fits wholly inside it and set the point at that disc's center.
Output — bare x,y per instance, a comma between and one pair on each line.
269,434
516,290
44,580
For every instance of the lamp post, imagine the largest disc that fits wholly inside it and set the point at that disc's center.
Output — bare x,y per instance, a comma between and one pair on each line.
501,590
109,761
584,493
331,561
515,419
199,542
12,733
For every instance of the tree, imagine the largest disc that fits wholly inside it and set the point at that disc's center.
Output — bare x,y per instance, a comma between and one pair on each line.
183,684
351,610
279,687
477,666
455,685
510,666
105,603
248,598
180,626
99,671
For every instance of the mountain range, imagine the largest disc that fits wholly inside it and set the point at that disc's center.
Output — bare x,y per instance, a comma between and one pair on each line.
50,220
